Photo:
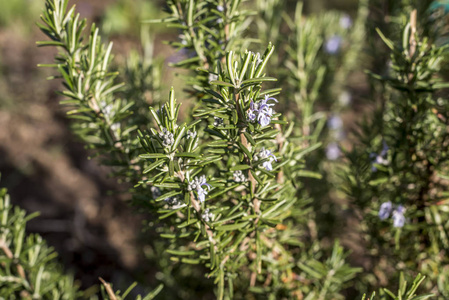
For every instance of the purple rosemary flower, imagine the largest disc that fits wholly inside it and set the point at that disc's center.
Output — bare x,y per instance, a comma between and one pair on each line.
385,149
261,111
333,151
333,44
263,154
252,112
380,159
335,125
335,122
201,194
345,22
398,217
385,210
197,184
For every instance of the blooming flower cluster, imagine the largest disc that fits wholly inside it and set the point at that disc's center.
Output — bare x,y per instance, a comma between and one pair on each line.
174,202
155,192
239,176
107,110
264,153
207,215
109,113
166,137
218,122
398,216
191,134
386,209
261,111
381,158
197,185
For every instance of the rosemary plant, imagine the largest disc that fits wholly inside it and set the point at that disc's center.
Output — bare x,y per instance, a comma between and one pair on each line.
29,268
224,185
398,177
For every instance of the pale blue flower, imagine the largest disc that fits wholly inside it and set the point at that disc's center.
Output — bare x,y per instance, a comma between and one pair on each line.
263,154
261,111
385,210
267,165
264,119
345,22
398,213
333,151
335,125
201,194
333,44
335,122
380,159
398,217
385,148
252,113
197,184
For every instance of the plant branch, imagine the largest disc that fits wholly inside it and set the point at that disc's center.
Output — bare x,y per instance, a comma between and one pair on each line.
10,255
108,288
